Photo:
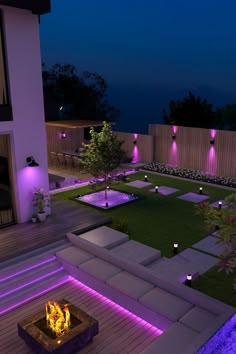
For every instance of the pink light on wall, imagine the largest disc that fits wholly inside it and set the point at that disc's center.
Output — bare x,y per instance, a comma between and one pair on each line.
212,133
173,154
211,161
174,129
135,152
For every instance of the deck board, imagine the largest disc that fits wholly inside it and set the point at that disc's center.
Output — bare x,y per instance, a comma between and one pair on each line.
66,216
118,332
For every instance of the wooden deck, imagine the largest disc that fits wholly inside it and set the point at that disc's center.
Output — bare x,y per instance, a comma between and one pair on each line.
118,332
66,216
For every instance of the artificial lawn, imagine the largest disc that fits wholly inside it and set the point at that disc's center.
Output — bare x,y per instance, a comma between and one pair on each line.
158,221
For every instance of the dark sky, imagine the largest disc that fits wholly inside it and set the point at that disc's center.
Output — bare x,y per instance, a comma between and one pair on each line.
150,51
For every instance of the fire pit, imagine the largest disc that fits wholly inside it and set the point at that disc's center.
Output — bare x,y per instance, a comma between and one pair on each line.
63,329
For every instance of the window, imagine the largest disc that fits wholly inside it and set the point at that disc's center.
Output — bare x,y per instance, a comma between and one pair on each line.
5,109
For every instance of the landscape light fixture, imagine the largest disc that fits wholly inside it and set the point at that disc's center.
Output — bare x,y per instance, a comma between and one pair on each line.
175,247
200,190
108,187
145,178
220,204
189,280
31,162
106,204
212,141
156,189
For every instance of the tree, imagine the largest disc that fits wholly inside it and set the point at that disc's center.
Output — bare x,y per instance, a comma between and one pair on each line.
192,111
224,220
103,155
229,117
68,95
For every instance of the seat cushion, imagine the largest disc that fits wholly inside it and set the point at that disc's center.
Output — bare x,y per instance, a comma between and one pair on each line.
74,255
104,237
129,284
198,319
166,304
100,269
136,252
173,341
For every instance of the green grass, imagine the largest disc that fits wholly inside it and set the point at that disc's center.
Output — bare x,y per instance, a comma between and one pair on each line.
158,221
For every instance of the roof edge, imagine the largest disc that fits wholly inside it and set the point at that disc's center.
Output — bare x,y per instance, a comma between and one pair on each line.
38,7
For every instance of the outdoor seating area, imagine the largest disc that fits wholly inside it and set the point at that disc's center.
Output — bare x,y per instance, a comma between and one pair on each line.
174,308
68,161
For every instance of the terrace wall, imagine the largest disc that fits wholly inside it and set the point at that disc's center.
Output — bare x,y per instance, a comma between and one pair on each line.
192,149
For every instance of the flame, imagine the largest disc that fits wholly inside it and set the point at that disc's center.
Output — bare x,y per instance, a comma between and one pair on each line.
58,319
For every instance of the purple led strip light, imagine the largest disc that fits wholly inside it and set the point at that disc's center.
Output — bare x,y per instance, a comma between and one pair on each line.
116,306
27,269
17,304
30,283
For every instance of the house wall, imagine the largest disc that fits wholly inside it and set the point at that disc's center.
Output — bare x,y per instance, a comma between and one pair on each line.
27,130
192,148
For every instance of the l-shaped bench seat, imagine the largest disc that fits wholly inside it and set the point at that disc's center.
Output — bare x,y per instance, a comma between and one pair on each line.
181,312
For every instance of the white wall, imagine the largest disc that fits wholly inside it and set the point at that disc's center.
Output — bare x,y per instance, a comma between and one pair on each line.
27,130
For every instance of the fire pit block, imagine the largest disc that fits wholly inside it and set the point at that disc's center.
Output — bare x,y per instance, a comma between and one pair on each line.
41,340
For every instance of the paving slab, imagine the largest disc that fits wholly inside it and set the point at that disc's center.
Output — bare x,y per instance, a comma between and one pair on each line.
216,204
136,252
138,184
105,237
193,197
198,261
211,245
164,190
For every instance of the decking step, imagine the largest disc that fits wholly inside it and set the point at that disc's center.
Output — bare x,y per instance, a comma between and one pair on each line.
33,290
30,275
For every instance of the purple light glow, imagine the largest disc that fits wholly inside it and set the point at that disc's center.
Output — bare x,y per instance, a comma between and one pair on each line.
117,307
32,297
135,136
30,283
223,341
173,155
211,161
174,129
27,269
114,198
135,154
212,133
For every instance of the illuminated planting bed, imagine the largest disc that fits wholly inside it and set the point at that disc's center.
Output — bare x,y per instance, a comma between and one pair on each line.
224,341
114,199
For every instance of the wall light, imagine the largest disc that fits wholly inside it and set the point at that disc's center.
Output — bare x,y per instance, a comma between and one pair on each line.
134,142
173,136
63,135
212,141
31,162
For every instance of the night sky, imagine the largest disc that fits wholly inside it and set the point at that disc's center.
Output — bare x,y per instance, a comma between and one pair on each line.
149,51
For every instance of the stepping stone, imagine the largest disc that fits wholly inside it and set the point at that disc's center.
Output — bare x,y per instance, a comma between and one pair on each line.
139,184
215,234
165,190
198,261
211,245
216,204
193,197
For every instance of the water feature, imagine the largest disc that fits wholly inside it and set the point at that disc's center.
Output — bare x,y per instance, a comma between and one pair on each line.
114,199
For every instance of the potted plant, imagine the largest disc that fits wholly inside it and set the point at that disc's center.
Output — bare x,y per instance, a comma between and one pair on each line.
34,218
40,201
